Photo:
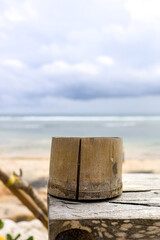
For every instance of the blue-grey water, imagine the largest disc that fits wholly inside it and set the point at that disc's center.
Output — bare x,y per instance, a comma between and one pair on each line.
30,136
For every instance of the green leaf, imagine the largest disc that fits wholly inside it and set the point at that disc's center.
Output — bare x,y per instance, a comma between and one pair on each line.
1,224
30,238
9,237
17,236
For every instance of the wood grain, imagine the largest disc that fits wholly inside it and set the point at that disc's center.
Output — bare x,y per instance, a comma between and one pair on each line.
133,215
101,168
63,167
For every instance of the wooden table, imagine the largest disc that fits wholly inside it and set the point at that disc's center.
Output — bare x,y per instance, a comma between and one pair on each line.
133,215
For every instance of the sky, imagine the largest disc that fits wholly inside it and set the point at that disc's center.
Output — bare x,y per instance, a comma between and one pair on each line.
75,57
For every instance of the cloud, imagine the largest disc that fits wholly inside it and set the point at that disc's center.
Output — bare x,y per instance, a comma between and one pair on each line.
14,63
106,60
13,15
78,50
144,11
59,68
19,12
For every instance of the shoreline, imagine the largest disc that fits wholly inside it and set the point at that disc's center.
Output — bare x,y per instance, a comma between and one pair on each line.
38,167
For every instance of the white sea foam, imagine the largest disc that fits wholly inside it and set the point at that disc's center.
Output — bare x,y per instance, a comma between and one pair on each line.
43,118
120,124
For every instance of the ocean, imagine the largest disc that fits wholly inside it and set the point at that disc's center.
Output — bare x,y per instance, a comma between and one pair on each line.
29,136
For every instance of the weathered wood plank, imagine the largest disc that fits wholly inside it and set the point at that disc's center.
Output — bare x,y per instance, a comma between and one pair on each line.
60,209
133,215
140,182
147,198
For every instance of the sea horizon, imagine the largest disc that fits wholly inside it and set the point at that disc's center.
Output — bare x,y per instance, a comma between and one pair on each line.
29,135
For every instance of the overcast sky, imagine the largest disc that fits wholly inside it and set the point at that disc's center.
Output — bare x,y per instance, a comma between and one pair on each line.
87,56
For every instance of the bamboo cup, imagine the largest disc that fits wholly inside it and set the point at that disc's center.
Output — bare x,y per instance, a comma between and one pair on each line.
86,168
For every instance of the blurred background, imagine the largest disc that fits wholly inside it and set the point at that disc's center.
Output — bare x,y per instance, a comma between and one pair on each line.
78,68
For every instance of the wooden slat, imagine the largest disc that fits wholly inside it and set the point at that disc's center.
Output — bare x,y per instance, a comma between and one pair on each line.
102,210
140,182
